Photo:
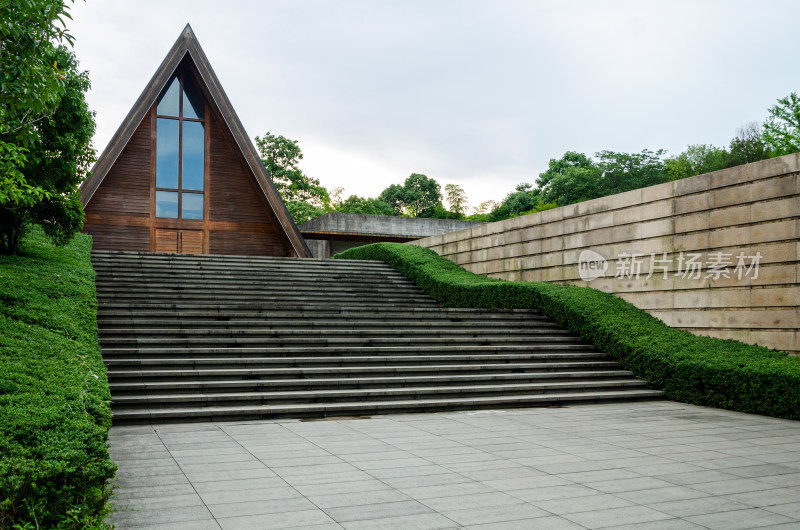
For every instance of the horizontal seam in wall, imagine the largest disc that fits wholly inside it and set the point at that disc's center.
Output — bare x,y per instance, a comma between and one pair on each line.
671,197
708,249
594,230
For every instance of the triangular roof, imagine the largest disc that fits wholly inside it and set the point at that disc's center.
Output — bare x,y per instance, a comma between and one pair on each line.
187,46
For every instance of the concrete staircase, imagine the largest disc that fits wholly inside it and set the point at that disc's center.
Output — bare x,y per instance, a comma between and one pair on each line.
194,338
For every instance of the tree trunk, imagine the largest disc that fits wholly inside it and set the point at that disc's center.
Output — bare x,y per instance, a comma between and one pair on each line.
11,228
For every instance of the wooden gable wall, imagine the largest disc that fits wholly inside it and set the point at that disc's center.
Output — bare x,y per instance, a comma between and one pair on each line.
120,217
242,211
239,218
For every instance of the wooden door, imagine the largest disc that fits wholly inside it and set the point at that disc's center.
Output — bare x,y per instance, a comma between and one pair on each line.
179,241
166,240
190,241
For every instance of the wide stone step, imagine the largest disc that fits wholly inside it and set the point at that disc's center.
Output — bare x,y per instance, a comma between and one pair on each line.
222,413
156,257
346,371
166,325
170,277
310,284
226,258
328,316
116,267
231,262
134,388
438,331
267,296
178,277
190,274
120,270
324,341
355,361
348,395
303,311
274,303
340,350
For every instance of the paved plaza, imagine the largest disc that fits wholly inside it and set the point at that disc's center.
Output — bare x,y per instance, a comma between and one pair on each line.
657,465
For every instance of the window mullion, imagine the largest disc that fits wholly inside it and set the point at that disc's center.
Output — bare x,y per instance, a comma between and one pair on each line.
180,148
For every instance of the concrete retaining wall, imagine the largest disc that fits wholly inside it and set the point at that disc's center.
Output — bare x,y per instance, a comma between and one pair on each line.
356,223
739,225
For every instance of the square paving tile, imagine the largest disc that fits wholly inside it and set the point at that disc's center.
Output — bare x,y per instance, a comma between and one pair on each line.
385,510
740,519
617,516
657,465
495,514
582,504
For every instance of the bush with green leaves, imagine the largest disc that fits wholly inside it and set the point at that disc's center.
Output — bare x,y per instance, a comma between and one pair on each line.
54,397
699,370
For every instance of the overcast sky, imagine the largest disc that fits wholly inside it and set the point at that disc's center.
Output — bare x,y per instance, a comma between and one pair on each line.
477,93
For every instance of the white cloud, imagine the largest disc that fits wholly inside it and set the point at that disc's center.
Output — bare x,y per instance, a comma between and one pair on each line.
475,93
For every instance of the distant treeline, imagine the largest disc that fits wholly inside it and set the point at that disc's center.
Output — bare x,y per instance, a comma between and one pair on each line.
575,177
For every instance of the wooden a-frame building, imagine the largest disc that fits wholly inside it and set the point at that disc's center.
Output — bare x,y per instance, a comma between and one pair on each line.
181,175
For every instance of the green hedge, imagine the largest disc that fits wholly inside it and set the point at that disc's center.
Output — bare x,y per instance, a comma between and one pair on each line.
54,398
700,370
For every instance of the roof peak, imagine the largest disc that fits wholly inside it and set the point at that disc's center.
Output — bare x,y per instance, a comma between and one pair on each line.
188,31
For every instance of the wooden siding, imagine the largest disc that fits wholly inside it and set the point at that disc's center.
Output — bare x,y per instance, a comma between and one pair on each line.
119,237
122,204
245,243
233,197
239,217
126,189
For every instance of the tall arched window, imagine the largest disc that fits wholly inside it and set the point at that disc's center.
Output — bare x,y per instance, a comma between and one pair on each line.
180,151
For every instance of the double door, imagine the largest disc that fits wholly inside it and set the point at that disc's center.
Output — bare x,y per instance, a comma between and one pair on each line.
179,241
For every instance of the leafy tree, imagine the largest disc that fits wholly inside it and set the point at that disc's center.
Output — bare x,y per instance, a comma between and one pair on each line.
356,204
542,206
629,171
696,160
572,178
456,198
334,198
422,195
302,211
522,199
419,196
45,124
57,162
561,166
576,178
485,207
440,212
782,128
577,184
281,157
483,211
748,145
480,217
394,196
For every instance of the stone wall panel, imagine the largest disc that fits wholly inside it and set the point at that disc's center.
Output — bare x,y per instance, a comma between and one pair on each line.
748,210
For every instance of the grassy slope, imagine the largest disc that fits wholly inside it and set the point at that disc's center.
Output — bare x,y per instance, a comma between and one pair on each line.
699,370
54,396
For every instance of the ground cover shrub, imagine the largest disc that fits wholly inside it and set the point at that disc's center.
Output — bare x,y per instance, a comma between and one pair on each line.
699,370
54,395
